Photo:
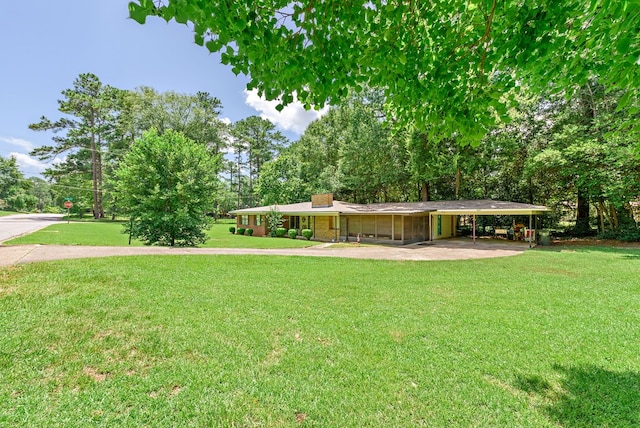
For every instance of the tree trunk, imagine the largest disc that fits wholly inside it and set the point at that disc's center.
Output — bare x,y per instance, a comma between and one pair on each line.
614,217
426,192
99,181
601,216
94,172
238,177
582,215
250,175
458,181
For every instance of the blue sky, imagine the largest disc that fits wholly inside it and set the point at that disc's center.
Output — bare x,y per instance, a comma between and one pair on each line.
45,45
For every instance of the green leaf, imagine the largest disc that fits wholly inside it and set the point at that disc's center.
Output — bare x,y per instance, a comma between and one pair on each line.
623,44
214,45
624,100
137,13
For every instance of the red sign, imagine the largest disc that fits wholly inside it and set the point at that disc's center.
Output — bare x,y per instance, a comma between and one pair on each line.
68,204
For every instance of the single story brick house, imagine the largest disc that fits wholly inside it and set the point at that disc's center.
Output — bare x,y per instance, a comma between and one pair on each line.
394,223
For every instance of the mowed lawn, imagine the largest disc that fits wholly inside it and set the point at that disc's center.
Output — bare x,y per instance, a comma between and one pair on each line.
543,339
110,234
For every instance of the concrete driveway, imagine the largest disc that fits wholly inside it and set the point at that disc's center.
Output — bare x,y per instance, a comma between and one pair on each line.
16,225
449,249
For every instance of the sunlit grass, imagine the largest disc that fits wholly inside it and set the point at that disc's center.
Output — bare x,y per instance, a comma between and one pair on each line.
543,339
109,233
78,233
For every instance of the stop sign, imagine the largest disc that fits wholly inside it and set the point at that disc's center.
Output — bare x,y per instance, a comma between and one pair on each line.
68,204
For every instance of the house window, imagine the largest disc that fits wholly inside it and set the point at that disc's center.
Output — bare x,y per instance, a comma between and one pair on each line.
294,222
258,220
244,220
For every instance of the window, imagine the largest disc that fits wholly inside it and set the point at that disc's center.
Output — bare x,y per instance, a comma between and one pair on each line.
294,222
258,220
244,220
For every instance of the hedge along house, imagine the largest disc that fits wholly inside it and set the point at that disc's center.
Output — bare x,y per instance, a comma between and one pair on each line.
394,223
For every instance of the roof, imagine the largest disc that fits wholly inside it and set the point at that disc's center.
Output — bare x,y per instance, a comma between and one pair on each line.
463,207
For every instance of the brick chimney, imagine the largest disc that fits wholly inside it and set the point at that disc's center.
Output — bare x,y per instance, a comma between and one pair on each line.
322,201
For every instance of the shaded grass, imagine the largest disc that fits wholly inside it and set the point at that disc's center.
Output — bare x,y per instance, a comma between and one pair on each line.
543,339
6,213
107,233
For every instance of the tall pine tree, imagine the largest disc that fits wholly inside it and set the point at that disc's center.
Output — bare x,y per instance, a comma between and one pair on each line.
90,109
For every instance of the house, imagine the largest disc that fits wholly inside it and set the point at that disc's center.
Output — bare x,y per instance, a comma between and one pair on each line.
394,223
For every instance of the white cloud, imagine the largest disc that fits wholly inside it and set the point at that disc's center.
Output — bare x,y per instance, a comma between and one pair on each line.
24,144
31,165
292,118
26,161
225,120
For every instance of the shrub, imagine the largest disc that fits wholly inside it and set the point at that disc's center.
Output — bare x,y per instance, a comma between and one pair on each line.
628,234
274,221
307,233
292,233
250,232
232,229
241,230
280,232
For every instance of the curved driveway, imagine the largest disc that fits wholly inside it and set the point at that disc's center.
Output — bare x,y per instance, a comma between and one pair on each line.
449,249
457,249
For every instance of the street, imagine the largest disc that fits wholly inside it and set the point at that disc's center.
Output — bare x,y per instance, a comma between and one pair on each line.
19,224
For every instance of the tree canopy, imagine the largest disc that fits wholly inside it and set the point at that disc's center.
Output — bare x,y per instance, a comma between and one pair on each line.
14,188
445,66
90,117
167,183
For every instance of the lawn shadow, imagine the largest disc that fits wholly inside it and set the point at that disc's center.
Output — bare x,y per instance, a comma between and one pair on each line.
630,252
587,396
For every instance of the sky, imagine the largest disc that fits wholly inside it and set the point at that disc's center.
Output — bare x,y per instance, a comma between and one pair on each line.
45,45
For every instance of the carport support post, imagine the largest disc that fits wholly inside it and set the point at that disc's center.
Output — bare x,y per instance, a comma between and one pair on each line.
530,231
474,228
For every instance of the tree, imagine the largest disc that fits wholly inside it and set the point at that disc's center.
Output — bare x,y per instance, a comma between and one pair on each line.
41,190
586,159
91,108
444,65
280,183
259,141
15,190
72,179
348,152
274,221
193,115
168,183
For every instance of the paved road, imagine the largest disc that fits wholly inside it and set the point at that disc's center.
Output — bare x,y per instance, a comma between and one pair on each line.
20,224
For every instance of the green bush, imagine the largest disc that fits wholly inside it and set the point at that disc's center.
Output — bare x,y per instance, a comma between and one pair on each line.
628,234
274,221
280,232
307,233
250,232
232,229
293,233
241,230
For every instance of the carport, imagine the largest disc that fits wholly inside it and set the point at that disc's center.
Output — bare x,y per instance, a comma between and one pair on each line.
485,207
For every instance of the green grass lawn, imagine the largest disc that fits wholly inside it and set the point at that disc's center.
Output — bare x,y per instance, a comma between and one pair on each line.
543,339
110,234
5,213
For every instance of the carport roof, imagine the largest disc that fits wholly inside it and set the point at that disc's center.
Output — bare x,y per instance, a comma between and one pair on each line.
462,207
